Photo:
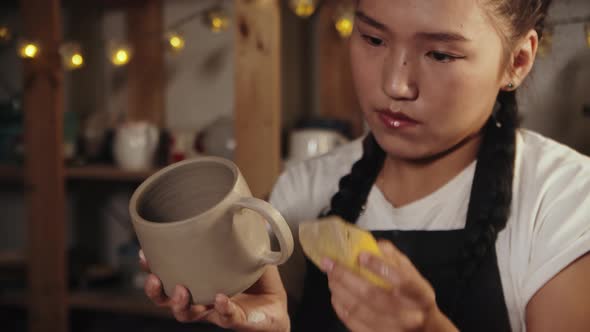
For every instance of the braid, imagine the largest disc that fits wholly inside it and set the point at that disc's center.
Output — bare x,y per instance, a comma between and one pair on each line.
354,188
491,193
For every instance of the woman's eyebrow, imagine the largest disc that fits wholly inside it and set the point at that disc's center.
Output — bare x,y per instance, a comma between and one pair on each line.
370,21
446,36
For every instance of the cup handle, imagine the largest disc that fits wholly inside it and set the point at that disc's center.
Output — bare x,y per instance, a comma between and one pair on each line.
279,227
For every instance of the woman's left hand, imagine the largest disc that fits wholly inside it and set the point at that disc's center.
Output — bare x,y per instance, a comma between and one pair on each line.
409,305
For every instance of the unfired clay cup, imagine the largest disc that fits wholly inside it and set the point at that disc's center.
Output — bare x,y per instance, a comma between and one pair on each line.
200,227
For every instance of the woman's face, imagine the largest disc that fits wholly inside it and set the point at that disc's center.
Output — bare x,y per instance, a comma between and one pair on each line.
427,73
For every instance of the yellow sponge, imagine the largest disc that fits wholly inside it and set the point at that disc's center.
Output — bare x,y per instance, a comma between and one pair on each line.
340,241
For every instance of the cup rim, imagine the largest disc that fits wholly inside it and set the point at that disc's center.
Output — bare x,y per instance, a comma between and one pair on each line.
139,192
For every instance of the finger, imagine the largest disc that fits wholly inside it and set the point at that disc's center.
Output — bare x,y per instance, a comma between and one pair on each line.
227,313
360,287
387,248
351,323
183,311
180,304
355,307
404,278
155,292
353,290
383,269
143,261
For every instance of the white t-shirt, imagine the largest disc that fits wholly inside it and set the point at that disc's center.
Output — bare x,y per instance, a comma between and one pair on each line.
548,229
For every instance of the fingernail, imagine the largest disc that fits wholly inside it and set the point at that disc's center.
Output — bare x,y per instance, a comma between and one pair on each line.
153,281
178,293
364,258
141,255
327,264
221,299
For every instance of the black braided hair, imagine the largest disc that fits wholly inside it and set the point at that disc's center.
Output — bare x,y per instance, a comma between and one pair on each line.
355,187
491,192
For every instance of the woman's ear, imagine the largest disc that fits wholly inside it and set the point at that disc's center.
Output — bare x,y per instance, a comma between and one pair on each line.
521,61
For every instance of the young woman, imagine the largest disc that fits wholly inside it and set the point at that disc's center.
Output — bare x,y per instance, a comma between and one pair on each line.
484,226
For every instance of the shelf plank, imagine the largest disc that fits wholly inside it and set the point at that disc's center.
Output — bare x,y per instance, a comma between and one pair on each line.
117,302
9,173
123,302
12,259
106,172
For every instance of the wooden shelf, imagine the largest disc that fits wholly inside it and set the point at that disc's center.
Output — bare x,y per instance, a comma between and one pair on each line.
124,302
106,172
117,302
15,173
12,259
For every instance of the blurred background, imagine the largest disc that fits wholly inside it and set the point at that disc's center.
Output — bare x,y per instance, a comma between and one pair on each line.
95,97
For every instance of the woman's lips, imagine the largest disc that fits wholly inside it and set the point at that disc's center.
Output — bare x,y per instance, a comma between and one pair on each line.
396,120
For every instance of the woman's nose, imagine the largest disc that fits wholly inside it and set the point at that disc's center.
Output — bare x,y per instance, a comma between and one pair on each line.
398,80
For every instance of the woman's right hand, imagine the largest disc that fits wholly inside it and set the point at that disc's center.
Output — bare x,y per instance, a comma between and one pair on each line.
262,308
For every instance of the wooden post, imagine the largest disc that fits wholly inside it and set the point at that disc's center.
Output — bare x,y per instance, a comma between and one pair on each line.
145,24
258,92
337,95
44,168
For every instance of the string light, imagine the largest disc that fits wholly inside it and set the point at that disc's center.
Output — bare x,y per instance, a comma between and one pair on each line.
28,50
303,8
217,19
120,54
344,19
5,33
176,42
72,57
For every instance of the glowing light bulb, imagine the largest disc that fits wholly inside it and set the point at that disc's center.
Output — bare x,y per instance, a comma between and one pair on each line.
303,8
344,27
176,42
77,60
344,18
29,50
72,57
120,54
217,20
121,57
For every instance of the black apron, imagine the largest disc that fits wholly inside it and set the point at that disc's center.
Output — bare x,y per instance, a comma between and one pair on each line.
476,304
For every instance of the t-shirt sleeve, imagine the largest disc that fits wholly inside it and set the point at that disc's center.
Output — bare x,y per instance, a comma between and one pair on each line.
561,233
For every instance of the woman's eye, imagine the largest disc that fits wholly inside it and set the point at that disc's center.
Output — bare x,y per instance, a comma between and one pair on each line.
373,41
442,57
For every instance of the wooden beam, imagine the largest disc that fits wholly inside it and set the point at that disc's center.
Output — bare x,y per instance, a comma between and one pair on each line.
258,92
44,168
337,96
145,26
